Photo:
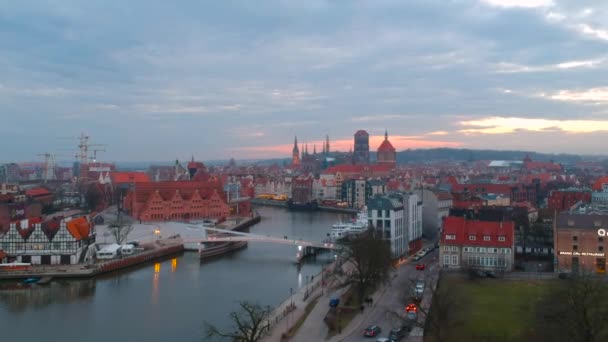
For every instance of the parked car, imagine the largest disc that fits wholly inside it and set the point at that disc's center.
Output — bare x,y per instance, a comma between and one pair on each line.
334,302
396,334
372,331
420,267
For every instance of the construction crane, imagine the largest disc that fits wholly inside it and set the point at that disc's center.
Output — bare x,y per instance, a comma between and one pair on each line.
48,169
95,152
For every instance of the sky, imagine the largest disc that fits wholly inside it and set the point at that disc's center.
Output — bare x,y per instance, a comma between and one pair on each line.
160,80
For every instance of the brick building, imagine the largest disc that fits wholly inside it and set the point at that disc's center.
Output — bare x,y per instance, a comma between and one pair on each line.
580,242
484,245
181,200
564,199
301,189
387,155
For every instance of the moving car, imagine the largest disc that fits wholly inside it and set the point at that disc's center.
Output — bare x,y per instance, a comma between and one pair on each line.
420,267
419,289
371,331
410,308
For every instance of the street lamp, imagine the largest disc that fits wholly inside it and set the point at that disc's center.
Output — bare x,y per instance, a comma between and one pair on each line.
157,233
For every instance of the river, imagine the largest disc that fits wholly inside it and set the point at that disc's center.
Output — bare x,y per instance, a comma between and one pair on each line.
169,300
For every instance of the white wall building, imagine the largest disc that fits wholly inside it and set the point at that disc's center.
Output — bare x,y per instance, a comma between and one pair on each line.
386,216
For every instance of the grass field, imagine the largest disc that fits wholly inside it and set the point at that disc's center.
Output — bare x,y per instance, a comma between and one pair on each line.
495,309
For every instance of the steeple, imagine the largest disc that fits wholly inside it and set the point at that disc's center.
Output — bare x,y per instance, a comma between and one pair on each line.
295,142
327,144
314,149
385,134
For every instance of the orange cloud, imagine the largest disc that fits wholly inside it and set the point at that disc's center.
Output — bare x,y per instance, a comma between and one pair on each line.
504,125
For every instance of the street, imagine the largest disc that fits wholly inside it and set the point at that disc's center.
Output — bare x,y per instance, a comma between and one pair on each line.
390,299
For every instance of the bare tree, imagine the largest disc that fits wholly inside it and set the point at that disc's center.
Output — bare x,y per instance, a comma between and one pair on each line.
575,310
251,324
120,232
371,259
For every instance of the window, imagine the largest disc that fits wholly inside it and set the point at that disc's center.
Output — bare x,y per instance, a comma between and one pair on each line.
482,249
446,248
477,249
501,238
600,248
575,238
446,260
454,249
454,259
600,239
575,247
450,237
486,238
472,237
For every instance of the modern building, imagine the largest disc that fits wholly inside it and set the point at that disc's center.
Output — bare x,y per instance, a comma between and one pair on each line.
386,154
355,192
387,217
181,200
10,173
580,241
436,205
52,242
473,244
361,150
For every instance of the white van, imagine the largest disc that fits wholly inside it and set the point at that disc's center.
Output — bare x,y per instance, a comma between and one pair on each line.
108,252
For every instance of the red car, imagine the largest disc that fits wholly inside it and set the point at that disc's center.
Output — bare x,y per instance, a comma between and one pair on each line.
411,308
371,331
420,267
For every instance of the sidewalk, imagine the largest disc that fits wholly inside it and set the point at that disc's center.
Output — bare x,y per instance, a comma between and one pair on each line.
286,315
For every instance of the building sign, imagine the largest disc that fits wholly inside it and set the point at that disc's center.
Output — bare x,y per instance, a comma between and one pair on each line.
595,254
601,232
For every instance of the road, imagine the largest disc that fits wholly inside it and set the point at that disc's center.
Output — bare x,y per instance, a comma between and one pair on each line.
390,299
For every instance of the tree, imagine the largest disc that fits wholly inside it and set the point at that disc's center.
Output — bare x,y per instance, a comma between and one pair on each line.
576,309
120,231
371,259
251,324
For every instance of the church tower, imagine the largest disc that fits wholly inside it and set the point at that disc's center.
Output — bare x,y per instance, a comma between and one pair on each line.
295,155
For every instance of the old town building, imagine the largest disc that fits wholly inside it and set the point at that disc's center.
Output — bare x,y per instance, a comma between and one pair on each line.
61,241
181,200
564,199
361,151
387,155
473,244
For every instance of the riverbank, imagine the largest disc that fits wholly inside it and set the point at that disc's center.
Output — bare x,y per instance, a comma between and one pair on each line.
160,249
283,204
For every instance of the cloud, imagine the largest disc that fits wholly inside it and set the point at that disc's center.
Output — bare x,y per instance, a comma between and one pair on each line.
580,64
438,133
519,3
504,125
593,95
593,32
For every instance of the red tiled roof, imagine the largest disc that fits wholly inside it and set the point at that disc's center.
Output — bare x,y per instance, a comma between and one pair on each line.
444,195
129,177
386,146
79,227
532,165
463,228
597,186
186,189
37,192
350,168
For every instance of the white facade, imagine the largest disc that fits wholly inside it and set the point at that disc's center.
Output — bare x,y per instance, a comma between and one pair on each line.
413,216
435,206
386,215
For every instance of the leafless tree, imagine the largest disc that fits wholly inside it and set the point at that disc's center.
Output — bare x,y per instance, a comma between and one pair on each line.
576,309
251,324
371,259
120,231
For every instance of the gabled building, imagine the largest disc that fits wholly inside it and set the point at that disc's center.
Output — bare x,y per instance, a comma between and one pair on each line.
182,200
386,154
484,245
52,242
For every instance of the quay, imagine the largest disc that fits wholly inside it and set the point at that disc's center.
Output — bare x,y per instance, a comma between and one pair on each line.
283,204
152,250
159,249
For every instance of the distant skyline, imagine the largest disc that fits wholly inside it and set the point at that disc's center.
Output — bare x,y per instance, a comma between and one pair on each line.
223,79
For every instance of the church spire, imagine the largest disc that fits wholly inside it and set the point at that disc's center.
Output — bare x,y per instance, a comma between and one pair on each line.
385,134
327,144
314,149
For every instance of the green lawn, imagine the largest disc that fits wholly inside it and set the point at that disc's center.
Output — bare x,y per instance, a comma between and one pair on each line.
495,309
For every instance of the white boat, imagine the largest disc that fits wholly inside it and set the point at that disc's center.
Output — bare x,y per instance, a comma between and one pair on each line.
343,230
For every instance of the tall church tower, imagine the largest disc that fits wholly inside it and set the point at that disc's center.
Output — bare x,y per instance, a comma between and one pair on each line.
295,155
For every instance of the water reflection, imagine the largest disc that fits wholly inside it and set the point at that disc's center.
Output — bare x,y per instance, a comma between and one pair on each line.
17,297
173,265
